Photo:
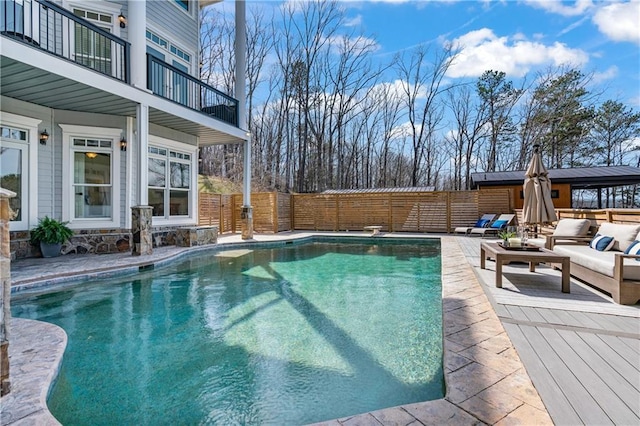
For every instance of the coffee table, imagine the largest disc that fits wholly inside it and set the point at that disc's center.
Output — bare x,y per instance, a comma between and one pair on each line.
502,256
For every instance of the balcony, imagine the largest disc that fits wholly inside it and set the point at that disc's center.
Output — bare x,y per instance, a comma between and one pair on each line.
174,84
50,28
47,27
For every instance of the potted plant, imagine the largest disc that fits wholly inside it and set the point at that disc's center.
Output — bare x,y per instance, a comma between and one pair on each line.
50,234
505,235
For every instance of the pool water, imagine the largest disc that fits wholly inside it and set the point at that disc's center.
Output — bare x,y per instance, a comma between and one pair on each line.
288,335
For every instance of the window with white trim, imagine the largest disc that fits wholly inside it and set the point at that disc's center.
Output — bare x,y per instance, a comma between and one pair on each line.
19,167
14,168
91,176
92,183
92,49
183,4
173,51
169,182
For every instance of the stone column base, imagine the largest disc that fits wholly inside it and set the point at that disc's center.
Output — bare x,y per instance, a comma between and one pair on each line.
246,222
5,384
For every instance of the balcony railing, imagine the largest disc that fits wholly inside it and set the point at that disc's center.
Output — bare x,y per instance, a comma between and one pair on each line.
48,27
176,85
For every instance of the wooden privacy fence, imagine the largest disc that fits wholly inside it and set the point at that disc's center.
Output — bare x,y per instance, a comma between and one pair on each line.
429,211
271,211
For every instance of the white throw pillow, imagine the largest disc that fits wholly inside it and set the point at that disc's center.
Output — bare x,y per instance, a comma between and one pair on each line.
623,234
572,227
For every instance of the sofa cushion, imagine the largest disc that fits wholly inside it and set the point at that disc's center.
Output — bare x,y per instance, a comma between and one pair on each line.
598,261
572,227
602,242
623,234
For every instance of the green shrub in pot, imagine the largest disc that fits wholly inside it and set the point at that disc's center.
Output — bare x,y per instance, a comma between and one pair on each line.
50,234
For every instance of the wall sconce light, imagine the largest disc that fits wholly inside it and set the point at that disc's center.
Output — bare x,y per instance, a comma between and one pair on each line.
123,20
44,137
123,144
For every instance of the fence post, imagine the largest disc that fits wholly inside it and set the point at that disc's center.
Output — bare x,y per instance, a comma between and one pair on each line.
274,212
390,212
337,226
448,195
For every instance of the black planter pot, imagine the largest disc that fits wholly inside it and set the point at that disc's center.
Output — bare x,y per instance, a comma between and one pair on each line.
50,250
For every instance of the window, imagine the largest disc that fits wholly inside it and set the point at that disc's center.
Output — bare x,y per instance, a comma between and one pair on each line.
171,49
92,184
93,49
13,171
183,4
19,168
91,176
169,182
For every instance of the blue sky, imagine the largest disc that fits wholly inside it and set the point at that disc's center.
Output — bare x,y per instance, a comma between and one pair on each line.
519,37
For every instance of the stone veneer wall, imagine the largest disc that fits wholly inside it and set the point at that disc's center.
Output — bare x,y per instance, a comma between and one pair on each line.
92,241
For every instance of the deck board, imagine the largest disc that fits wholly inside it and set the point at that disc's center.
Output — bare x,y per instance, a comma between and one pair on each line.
582,351
616,396
559,407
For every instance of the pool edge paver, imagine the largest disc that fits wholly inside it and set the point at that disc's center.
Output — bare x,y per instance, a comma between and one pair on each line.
477,329
35,350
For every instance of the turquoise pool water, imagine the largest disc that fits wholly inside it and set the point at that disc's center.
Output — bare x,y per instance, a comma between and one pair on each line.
288,335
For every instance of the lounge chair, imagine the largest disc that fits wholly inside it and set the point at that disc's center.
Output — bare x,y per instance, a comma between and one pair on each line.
496,226
483,222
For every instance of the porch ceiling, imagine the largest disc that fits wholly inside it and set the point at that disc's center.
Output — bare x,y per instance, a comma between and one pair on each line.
42,87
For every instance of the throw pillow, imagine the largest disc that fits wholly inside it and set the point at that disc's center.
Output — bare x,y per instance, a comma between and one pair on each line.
499,224
634,248
481,223
601,243
623,234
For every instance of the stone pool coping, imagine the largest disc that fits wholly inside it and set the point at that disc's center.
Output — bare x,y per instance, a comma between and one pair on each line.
486,381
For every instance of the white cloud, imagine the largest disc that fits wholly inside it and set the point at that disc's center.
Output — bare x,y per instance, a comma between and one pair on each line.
609,74
482,50
619,21
564,8
354,22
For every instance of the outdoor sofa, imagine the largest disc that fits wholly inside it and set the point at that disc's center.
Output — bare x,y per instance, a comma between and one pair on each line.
610,262
566,231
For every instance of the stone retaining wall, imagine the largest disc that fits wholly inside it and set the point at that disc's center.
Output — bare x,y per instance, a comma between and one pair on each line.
92,241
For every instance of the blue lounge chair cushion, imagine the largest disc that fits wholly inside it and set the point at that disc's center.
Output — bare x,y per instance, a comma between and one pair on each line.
498,224
602,242
482,223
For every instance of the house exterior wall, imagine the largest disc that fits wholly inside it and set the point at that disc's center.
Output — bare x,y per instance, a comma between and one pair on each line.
55,164
562,201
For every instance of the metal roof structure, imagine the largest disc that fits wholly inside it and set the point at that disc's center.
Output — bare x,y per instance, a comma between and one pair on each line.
579,178
379,190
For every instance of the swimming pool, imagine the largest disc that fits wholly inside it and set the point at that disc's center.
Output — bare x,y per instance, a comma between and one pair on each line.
291,335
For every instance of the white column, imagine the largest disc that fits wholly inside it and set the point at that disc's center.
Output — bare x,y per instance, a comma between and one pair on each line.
240,94
142,137
137,31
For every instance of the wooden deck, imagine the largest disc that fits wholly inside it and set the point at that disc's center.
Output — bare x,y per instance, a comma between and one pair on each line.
581,350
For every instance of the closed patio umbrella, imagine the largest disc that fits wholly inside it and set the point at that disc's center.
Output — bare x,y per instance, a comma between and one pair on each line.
538,206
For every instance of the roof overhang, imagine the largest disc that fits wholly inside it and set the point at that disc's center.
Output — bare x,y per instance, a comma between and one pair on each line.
40,78
578,178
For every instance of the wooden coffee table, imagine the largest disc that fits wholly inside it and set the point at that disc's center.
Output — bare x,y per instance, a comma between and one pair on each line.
502,256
